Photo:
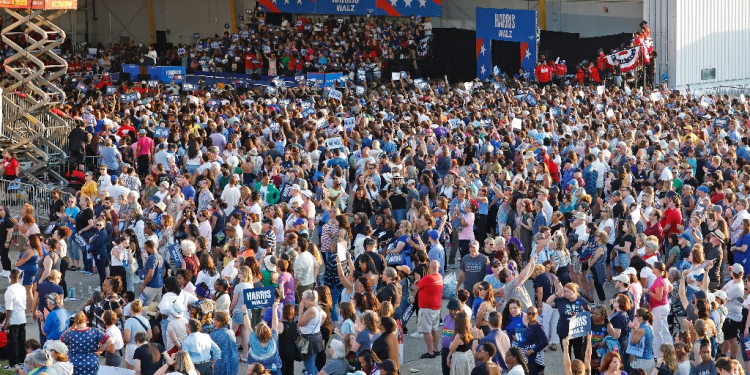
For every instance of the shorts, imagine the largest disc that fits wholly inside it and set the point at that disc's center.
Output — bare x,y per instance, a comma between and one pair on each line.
622,260
644,364
731,329
129,351
238,318
428,320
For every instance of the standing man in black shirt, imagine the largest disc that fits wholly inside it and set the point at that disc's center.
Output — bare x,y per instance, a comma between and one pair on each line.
6,233
715,252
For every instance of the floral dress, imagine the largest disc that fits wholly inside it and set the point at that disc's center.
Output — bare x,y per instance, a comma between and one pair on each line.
203,311
230,360
82,345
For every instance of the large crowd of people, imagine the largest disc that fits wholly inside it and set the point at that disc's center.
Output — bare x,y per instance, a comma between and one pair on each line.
515,199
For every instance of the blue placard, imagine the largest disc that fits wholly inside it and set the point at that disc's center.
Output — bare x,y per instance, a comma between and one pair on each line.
79,240
175,250
129,97
188,87
580,325
308,112
213,103
82,87
530,99
257,298
721,122
173,98
226,26
161,132
196,36
112,90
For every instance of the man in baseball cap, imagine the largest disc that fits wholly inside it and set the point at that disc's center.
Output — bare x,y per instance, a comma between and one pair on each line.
734,293
436,250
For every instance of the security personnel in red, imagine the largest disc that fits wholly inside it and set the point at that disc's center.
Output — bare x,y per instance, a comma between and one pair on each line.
543,73
593,73
605,70
560,70
580,75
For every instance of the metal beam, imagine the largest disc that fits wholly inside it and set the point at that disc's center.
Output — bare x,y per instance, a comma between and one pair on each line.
543,14
151,21
234,15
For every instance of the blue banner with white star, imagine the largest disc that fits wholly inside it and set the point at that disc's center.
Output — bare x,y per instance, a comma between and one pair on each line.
508,25
393,8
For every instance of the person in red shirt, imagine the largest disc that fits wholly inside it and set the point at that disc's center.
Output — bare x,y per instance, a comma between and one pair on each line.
593,73
560,71
580,75
672,217
542,73
249,64
429,301
10,165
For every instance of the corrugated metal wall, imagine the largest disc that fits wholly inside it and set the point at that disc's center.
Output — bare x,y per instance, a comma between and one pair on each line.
692,35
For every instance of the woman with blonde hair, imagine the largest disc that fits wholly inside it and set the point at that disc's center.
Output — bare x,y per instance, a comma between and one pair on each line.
239,310
667,363
460,358
487,306
264,342
561,258
182,363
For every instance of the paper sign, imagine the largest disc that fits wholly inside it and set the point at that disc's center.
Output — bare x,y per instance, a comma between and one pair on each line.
349,123
257,298
610,113
335,94
580,325
153,83
161,132
655,96
175,250
721,122
600,90
111,90
360,90
127,98
334,143
213,103
307,112
701,266
627,90
79,240
188,87
396,76
275,127
341,251
321,123
82,87
706,101
196,36
516,123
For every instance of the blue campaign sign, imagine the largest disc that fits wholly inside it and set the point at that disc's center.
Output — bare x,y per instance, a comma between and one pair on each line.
112,90
530,99
161,132
331,78
508,25
393,8
128,98
257,298
176,252
580,325
316,77
721,122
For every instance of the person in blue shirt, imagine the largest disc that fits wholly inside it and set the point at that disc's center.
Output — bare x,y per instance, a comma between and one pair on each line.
57,320
436,251
152,285
498,338
203,351
98,249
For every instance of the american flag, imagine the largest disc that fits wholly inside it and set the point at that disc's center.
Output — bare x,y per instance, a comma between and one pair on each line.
629,58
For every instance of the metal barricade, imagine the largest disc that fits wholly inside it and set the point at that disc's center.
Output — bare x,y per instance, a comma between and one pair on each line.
14,194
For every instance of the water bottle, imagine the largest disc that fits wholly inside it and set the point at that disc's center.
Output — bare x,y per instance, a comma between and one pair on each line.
90,291
80,287
71,292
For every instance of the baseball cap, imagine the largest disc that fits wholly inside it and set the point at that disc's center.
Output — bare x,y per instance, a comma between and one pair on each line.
623,278
720,294
737,269
703,189
453,304
433,234
369,241
267,221
296,187
700,295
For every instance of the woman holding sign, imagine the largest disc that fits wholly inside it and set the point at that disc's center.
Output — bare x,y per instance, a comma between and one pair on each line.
640,346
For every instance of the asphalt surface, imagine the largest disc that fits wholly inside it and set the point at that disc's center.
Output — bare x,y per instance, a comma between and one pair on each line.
413,347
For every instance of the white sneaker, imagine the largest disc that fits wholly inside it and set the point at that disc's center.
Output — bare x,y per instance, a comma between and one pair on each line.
5,274
417,335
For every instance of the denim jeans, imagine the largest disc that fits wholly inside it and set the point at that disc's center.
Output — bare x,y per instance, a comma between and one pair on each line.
399,215
309,364
335,297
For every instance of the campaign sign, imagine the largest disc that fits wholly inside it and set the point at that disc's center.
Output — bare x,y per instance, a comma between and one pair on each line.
175,250
335,94
128,98
196,36
334,143
214,103
530,99
112,90
721,122
307,112
321,123
349,123
161,132
360,90
257,298
580,325
80,240
332,78
173,98
188,87
275,127
82,87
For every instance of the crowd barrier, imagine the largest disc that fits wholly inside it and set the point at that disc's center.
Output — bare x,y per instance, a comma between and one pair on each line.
243,80
14,194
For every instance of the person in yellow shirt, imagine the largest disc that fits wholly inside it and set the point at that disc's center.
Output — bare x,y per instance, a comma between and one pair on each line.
89,188
689,134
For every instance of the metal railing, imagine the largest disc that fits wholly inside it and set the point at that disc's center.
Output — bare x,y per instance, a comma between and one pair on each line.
13,195
732,91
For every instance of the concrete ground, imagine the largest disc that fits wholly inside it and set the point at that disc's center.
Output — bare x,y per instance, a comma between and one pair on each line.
413,348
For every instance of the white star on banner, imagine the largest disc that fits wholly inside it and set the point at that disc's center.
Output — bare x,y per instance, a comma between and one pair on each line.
483,70
393,2
423,3
286,1
482,50
528,54
408,3
299,1
274,1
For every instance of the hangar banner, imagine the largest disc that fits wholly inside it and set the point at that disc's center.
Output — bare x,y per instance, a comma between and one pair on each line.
510,25
393,8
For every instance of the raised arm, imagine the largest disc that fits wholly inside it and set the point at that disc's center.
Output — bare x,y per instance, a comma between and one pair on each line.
526,272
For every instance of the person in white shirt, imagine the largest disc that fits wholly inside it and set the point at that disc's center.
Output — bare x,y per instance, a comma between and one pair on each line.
231,195
15,320
117,189
104,181
296,197
305,268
